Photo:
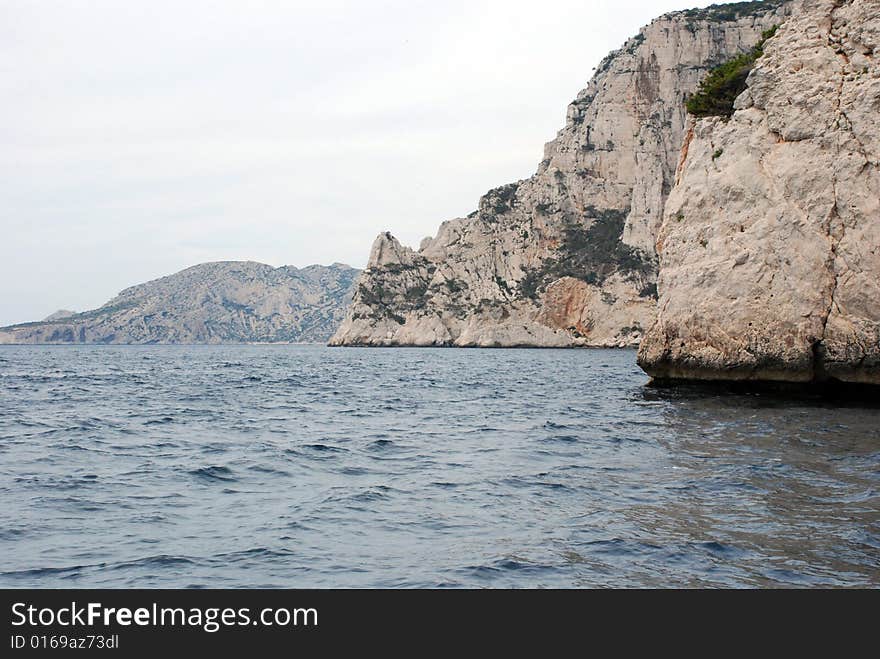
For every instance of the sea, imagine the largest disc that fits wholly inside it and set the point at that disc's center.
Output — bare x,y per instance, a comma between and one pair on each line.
306,466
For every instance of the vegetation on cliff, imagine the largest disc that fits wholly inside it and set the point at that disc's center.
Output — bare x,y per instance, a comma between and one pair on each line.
725,82
590,252
732,10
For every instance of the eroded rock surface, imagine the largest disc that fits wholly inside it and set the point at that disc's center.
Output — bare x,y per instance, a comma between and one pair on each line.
565,257
770,242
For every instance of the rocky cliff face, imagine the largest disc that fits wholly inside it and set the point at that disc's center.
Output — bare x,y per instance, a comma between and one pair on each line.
770,242
228,302
565,257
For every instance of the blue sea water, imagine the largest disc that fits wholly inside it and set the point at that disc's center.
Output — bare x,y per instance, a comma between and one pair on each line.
303,466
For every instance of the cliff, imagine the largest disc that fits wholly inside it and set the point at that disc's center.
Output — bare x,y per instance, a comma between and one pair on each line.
226,302
565,257
770,242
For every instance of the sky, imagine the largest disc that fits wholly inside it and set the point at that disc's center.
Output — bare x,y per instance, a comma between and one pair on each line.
139,138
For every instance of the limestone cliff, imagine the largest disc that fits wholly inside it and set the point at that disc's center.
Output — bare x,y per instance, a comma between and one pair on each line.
565,257
770,242
226,302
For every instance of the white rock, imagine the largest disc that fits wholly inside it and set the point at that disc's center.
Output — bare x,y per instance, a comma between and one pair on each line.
565,257
797,190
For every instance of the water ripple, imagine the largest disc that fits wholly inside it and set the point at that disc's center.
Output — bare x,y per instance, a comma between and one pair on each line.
300,466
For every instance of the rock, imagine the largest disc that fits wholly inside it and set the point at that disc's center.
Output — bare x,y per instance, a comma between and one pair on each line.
566,257
227,302
59,315
770,253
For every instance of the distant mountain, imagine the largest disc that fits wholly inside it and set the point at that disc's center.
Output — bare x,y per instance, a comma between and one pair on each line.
59,315
224,302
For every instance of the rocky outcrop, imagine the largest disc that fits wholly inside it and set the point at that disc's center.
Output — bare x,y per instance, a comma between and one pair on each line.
227,302
565,257
770,242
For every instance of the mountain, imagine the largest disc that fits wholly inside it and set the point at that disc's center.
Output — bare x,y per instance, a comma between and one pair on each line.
566,257
225,302
770,241
59,315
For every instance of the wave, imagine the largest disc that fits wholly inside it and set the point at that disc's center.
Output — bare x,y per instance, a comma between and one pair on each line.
160,421
213,473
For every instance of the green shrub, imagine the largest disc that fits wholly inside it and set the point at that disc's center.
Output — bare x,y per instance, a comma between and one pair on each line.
455,285
732,10
415,295
649,290
725,82
589,253
498,201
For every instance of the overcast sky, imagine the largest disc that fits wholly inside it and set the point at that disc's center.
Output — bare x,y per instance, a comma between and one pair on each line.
141,137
